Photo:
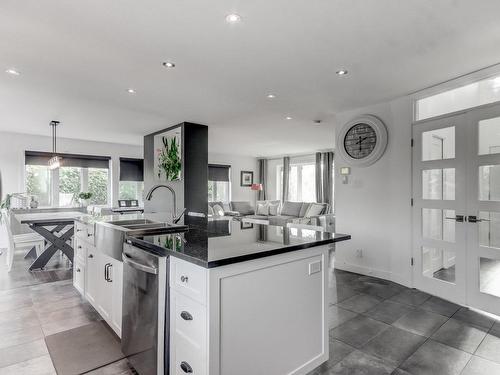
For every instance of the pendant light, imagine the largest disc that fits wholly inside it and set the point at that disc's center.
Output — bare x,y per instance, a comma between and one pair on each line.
54,161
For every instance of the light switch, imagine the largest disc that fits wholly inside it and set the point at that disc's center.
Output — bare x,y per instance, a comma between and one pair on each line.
314,267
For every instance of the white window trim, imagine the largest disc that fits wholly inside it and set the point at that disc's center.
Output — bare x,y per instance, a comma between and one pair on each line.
479,75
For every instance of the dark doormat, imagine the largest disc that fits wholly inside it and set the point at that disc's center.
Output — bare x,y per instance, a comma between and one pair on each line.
83,349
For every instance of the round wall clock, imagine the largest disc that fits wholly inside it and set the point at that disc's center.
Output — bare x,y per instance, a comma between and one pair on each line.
362,141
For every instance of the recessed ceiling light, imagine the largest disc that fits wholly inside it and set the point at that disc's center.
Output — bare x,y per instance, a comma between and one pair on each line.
233,18
271,96
288,117
131,91
168,64
12,72
341,72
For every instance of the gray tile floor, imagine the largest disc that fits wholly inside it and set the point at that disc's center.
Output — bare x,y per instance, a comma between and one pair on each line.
376,327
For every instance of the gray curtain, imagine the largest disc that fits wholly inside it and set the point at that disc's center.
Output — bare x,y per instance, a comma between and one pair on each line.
262,196
319,179
327,185
286,178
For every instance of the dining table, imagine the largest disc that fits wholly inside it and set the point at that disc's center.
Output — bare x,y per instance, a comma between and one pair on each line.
57,228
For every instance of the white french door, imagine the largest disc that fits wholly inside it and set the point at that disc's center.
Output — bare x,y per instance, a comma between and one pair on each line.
456,210
439,204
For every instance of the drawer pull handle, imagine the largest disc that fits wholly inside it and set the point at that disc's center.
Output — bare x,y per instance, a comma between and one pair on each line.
186,368
186,316
79,246
184,279
79,230
78,270
91,256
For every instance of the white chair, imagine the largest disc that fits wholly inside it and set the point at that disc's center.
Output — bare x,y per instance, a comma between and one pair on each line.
20,241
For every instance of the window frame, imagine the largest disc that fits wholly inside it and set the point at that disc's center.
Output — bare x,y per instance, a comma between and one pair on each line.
214,192
54,185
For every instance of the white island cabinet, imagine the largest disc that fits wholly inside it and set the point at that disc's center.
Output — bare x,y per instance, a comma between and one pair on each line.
98,277
265,316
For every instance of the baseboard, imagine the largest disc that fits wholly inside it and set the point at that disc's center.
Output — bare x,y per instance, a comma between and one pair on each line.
367,271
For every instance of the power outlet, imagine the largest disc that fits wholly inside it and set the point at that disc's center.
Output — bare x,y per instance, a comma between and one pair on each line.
359,253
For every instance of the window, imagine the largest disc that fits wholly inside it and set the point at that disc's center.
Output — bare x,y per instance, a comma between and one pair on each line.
302,185
472,95
219,183
60,187
131,179
38,184
131,190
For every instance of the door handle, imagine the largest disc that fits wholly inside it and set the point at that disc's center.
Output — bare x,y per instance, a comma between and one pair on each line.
138,266
186,316
457,218
109,280
106,272
186,368
475,219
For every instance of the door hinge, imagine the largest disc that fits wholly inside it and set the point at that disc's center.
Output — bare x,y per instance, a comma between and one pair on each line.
411,202
411,261
411,143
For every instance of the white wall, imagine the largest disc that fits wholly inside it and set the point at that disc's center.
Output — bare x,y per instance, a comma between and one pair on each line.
13,145
238,163
374,207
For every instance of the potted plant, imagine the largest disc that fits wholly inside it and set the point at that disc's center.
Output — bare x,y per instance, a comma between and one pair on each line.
84,198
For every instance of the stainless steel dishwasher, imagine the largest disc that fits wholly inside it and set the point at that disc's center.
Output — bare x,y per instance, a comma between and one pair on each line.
145,305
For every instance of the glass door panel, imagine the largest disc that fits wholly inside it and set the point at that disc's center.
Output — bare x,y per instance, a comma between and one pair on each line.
483,207
439,200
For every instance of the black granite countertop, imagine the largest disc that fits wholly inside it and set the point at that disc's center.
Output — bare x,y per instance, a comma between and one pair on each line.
219,242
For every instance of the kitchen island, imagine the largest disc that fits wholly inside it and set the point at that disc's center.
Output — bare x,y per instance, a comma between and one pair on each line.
244,298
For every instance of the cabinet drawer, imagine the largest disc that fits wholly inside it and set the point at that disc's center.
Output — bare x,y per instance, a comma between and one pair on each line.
84,232
79,276
188,279
80,230
188,358
80,250
190,319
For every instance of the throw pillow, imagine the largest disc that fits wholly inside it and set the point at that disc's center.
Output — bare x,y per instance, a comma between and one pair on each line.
210,211
262,209
218,210
315,209
273,209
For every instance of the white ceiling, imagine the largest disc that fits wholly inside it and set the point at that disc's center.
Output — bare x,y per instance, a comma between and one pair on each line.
77,59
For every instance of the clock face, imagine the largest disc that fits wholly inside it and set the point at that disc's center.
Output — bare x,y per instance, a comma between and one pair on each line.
360,141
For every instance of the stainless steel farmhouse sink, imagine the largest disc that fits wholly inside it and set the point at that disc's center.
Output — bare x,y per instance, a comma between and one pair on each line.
110,236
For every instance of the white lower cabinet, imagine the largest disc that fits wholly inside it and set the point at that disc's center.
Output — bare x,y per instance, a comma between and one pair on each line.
265,316
92,281
79,276
98,277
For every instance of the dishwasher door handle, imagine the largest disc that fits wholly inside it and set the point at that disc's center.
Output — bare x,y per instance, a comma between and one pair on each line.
138,266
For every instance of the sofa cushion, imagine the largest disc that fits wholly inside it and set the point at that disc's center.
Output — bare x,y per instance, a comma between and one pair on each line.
291,209
262,209
315,209
304,208
244,208
210,210
273,209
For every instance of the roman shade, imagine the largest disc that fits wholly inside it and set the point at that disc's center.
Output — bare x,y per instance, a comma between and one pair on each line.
68,160
217,172
131,169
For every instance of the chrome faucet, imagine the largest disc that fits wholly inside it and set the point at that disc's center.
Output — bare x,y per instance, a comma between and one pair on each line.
149,195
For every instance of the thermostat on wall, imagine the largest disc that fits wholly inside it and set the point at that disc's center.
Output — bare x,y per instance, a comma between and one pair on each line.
344,172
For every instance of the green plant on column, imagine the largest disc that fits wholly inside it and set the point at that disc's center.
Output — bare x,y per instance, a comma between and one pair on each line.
169,160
